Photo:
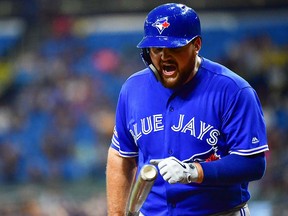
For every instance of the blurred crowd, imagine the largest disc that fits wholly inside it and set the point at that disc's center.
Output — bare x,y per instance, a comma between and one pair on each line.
57,103
57,113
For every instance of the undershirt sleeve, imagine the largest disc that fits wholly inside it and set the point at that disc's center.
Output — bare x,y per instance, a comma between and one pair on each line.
233,169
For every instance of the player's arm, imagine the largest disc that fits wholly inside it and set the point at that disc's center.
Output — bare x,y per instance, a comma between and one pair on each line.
234,169
120,174
231,169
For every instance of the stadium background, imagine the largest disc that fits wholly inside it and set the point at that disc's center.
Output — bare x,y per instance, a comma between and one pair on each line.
62,64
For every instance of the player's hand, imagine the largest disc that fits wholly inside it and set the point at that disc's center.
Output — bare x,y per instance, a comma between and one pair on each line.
175,171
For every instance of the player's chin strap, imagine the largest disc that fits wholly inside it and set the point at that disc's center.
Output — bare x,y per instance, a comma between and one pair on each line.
152,67
148,62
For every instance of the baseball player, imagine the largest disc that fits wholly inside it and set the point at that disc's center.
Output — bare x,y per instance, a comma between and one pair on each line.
198,121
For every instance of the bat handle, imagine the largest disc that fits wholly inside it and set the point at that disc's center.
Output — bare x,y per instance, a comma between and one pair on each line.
132,214
155,162
140,189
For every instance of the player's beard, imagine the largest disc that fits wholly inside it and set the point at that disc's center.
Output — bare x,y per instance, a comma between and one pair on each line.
180,77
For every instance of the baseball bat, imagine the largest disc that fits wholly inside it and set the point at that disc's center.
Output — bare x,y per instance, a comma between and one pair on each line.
140,189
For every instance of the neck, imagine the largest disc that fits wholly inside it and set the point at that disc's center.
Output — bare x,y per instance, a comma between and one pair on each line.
196,67
198,61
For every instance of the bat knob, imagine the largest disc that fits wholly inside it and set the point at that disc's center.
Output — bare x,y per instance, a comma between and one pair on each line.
148,172
141,189
133,214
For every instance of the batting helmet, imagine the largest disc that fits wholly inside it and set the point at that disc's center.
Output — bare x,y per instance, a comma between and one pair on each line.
169,26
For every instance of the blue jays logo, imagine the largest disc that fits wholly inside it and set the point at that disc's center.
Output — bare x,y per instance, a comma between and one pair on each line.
210,155
161,24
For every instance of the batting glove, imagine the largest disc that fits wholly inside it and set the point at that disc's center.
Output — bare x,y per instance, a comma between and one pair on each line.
175,171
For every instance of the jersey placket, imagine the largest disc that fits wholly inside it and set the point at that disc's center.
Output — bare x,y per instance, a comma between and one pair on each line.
170,142
171,111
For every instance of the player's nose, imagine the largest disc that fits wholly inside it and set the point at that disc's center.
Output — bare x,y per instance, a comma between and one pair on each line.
165,54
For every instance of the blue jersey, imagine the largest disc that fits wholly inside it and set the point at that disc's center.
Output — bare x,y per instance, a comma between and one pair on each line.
216,114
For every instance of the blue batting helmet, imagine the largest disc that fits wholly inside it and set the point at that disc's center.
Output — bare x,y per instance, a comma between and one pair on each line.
169,26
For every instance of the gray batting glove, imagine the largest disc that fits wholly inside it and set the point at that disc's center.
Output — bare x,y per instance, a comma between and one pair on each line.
175,171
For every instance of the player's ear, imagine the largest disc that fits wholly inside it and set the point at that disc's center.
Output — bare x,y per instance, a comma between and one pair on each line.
197,42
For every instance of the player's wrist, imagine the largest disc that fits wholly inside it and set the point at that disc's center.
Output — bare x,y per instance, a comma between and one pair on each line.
200,172
195,173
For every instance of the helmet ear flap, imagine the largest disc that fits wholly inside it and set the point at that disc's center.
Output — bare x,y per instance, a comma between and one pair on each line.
146,56
148,62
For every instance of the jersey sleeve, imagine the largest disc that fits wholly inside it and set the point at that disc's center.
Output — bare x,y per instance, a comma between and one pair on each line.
122,139
244,124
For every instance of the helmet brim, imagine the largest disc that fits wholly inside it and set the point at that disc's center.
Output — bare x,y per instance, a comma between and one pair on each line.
163,42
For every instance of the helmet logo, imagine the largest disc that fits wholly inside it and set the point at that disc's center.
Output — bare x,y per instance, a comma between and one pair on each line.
161,24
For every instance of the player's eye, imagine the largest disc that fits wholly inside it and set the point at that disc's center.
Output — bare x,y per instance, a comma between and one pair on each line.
177,49
156,50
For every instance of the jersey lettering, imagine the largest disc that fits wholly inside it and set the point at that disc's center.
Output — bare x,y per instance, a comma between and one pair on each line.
158,124
213,137
180,124
135,133
203,130
189,126
144,130
154,123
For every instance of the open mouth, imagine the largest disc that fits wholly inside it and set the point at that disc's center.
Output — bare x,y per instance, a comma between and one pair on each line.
169,70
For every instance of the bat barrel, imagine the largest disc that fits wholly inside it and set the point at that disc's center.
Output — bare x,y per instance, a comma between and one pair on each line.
141,189
148,172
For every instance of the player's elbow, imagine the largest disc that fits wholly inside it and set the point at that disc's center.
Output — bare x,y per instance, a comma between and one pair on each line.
260,166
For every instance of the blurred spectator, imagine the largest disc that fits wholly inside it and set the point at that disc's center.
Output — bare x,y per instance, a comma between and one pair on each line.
10,162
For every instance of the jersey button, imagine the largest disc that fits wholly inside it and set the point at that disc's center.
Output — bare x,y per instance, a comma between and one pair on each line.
170,151
171,109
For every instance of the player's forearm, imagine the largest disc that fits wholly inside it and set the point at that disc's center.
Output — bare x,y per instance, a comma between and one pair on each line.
234,169
120,174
